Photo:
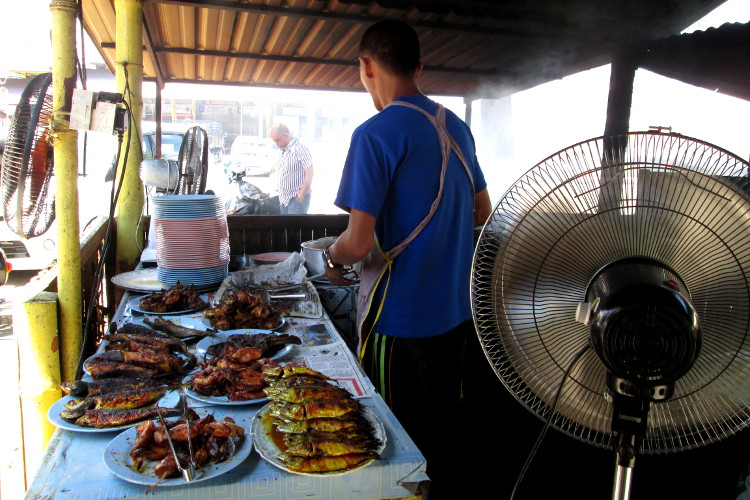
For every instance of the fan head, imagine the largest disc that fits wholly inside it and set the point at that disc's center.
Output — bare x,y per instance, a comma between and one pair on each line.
571,230
193,162
643,327
27,180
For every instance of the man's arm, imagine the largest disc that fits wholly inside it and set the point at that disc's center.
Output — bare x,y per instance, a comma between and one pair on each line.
306,183
482,207
353,245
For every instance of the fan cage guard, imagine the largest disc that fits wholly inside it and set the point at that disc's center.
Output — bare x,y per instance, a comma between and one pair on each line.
675,199
27,174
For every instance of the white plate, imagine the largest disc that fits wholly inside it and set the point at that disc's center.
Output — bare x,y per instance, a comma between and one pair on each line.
267,449
135,306
169,400
147,281
207,323
117,457
141,280
202,346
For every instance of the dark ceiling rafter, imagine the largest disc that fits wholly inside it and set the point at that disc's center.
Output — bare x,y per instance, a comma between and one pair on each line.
327,15
309,60
149,48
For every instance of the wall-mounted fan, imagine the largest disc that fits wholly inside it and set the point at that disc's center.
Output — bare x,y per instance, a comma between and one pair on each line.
611,292
27,178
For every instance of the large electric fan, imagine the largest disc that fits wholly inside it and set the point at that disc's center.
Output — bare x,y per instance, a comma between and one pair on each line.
611,292
27,175
193,161
186,175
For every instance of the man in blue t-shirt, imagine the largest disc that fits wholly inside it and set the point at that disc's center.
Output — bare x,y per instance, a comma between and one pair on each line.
414,192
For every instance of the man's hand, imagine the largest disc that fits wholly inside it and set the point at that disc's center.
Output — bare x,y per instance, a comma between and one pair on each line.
339,276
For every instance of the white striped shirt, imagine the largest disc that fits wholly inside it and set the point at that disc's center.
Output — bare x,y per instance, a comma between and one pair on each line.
293,161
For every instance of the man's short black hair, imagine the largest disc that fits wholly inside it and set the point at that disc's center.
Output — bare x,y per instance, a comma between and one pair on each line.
394,44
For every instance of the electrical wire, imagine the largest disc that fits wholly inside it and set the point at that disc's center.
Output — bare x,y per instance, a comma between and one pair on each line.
548,421
114,197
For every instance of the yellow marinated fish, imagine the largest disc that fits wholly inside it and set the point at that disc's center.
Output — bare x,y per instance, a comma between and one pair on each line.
325,464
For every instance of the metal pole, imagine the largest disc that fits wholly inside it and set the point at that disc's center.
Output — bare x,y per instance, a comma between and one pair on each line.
66,178
129,76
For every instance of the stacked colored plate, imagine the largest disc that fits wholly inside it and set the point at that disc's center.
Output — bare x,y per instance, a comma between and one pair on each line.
192,239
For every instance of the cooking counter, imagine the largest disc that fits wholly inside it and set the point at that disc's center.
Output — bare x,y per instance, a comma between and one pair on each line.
73,465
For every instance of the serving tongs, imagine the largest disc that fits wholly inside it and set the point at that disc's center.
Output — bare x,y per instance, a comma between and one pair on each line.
187,471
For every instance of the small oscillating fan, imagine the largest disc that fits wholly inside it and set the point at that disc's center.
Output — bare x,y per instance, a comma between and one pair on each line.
611,293
27,177
193,161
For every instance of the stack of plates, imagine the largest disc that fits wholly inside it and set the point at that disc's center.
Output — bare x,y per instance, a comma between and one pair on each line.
192,239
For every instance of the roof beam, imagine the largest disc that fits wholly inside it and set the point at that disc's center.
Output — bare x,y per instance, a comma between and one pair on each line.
309,60
273,10
152,53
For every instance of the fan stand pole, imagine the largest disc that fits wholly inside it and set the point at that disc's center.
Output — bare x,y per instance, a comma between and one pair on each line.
623,476
628,427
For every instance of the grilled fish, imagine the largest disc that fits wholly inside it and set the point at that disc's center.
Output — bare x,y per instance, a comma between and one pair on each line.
99,369
155,341
320,424
82,388
102,419
322,408
175,330
135,328
119,400
305,393
317,443
325,464
292,371
156,361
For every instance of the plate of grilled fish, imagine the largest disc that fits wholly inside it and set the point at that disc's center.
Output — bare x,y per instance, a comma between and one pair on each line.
111,405
141,455
158,303
313,427
272,345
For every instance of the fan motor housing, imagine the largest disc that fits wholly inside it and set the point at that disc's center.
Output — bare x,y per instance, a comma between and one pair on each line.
643,327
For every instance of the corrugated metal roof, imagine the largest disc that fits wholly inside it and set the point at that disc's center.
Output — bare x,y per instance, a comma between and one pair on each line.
471,48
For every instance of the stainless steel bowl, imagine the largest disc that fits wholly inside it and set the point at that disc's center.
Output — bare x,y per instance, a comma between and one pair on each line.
312,251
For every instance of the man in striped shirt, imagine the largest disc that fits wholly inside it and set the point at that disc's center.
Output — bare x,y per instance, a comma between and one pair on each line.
295,171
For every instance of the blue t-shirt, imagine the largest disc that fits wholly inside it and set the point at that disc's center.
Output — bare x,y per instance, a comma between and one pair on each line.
392,172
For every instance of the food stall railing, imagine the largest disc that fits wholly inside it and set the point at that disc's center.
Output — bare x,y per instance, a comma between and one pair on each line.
253,234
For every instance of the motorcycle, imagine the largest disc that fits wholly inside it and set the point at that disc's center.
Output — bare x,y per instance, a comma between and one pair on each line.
248,199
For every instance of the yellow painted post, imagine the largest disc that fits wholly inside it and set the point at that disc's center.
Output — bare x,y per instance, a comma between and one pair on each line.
35,328
66,179
129,75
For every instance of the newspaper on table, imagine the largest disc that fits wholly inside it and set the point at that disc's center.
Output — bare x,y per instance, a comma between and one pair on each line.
324,351
290,271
